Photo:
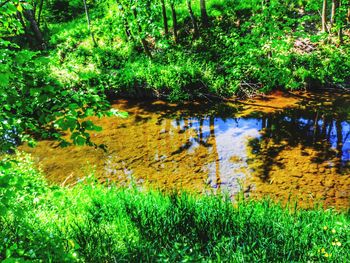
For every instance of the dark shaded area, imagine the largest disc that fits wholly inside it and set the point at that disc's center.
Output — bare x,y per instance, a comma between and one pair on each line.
322,123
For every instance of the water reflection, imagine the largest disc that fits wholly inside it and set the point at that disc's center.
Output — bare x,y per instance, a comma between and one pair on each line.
328,134
226,140
208,147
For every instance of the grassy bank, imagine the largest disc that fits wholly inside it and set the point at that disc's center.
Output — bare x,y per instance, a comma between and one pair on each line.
95,223
248,47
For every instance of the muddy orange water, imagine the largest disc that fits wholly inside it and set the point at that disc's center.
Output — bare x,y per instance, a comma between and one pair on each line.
294,147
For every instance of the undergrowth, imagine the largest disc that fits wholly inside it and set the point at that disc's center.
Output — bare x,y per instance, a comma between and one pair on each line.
246,49
102,223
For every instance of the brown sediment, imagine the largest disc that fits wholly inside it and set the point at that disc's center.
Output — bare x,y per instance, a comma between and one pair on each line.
158,146
272,102
296,176
141,148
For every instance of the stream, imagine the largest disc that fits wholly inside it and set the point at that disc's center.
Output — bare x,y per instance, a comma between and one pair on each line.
290,148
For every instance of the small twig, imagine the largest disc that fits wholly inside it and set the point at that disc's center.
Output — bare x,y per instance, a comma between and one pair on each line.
342,87
65,180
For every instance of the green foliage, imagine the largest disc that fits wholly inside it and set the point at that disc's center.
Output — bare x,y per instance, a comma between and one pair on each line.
96,223
20,185
250,46
63,10
9,25
36,104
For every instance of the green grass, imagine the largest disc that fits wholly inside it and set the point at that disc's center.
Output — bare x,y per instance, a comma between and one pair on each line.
243,49
95,223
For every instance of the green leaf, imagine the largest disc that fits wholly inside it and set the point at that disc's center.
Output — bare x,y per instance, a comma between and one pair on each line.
11,8
80,140
89,112
88,125
73,106
27,6
5,165
97,128
117,113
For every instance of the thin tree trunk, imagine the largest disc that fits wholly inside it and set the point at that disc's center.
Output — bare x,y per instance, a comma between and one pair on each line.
204,14
89,23
193,19
333,12
40,11
29,15
324,16
268,4
165,18
340,32
127,29
34,4
143,40
125,22
340,36
20,18
173,13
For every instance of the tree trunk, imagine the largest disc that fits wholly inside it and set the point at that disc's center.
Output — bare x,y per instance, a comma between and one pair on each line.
173,13
193,19
89,23
204,14
340,32
333,12
29,15
143,40
324,16
34,4
127,29
20,19
40,11
165,18
125,22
